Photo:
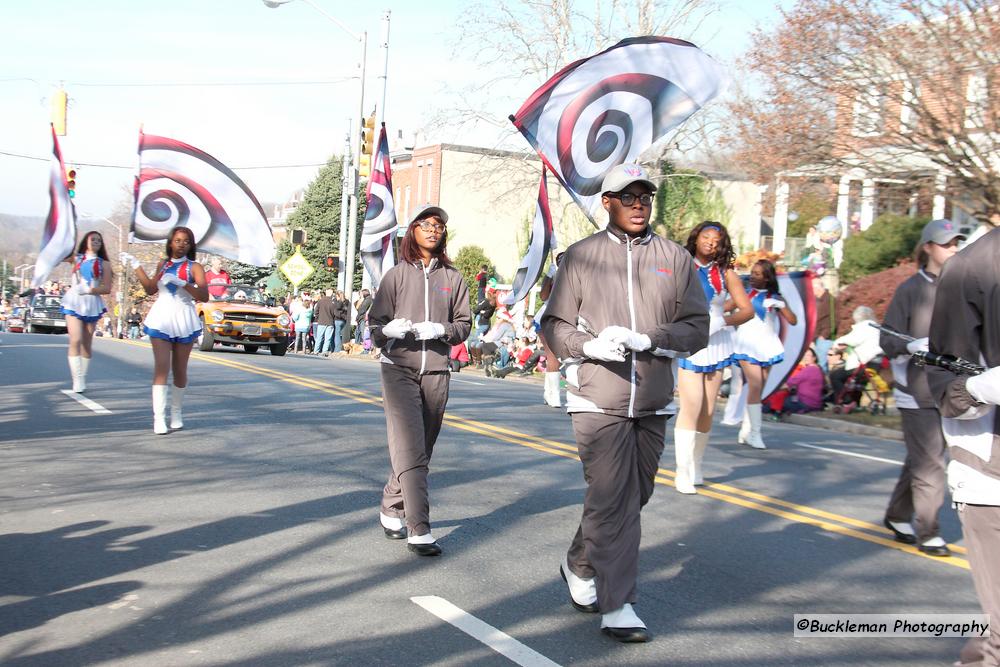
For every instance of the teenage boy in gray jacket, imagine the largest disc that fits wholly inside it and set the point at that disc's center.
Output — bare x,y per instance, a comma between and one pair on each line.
624,303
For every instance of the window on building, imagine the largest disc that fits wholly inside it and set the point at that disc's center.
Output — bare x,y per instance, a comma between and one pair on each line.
869,107
430,180
977,98
907,110
420,179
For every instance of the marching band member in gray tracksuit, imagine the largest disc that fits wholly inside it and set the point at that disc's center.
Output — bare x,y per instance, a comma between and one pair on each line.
919,493
625,301
420,310
966,323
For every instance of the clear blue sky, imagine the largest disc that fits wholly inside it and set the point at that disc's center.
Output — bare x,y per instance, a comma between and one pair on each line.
85,43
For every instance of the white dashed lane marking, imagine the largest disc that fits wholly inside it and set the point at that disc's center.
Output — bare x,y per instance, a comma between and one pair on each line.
86,402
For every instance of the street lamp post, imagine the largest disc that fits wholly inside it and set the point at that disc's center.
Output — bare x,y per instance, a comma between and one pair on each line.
345,272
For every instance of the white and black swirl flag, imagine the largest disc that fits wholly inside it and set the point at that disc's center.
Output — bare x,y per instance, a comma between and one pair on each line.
180,185
543,240
380,215
607,109
59,233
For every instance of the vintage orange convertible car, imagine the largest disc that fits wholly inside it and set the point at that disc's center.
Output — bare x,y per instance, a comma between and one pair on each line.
242,316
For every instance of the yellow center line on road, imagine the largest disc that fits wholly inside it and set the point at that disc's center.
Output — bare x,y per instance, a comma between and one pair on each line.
829,521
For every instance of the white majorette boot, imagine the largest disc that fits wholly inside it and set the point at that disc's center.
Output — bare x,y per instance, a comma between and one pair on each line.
160,409
84,363
551,394
684,443
741,437
177,408
74,373
754,439
700,444
623,625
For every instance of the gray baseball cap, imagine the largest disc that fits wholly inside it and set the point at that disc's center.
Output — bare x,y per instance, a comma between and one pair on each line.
428,210
941,231
624,175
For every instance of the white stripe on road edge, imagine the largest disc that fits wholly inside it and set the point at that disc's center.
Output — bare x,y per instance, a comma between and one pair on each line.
499,641
840,451
482,384
96,407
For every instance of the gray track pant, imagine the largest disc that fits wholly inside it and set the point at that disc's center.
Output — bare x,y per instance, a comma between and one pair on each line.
620,457
981,528
414,409
919,493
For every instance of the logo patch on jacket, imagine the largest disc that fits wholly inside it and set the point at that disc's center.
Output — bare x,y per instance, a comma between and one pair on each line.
446,290
663,272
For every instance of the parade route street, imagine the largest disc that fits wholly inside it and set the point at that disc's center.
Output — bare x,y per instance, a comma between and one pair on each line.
251,537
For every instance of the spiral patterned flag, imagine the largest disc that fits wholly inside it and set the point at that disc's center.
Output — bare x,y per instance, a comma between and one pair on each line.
380,215
180,185
796,291
543,239
59,233
607,109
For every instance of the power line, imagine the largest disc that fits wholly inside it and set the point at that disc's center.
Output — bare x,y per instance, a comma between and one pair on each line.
77,163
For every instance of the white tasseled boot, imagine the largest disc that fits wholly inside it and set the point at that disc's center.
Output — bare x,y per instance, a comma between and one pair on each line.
684,443
74,373
754,439
177,408
700,444
160,409
84,363
741,437
552,398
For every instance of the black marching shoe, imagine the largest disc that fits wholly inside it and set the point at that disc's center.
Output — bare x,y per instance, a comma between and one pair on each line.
627,635
394,534
431,549
585,608
935,546
905,538
393,527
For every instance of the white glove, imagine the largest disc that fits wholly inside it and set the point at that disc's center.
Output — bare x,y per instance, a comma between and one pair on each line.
603,349
771,302
985,387
170,279
129,260
917,345
397,328
716,323
428,330
625,336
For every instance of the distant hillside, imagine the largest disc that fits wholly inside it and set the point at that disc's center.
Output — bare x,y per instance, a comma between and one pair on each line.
19,234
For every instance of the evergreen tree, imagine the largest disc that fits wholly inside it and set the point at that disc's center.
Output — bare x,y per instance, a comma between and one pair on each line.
684,199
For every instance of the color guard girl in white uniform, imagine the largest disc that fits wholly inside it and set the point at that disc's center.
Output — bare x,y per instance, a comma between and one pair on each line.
758,346
172,323
700,375
82,303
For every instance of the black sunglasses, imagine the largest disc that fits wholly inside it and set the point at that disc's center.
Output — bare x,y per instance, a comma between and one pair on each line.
627,198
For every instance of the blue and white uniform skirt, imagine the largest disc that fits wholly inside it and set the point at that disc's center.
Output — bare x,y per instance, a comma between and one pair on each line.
715,356
758,343
86,307
173,318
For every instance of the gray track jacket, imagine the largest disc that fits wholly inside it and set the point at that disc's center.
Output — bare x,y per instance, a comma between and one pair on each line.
649,285
910,313
966,323
436,294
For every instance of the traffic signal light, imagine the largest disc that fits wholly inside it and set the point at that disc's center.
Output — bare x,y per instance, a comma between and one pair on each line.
71,181
331,261
367,146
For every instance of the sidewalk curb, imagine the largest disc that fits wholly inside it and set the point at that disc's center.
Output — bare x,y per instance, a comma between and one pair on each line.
843,427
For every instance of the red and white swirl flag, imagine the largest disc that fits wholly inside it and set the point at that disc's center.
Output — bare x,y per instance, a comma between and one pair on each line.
180,185
607,109
796,290
543,239
59,233
380,215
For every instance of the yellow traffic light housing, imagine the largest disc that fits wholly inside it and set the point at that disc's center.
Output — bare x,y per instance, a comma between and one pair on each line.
71,181
367,146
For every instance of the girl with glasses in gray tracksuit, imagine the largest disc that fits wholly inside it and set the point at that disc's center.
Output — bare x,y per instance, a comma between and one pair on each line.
420,310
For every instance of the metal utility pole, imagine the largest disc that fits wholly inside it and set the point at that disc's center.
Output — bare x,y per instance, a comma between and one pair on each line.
345,195
352,234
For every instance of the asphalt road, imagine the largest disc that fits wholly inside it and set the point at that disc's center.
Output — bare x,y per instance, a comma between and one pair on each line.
251,537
